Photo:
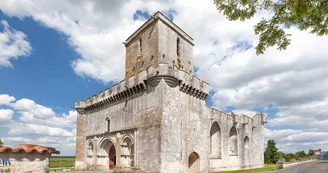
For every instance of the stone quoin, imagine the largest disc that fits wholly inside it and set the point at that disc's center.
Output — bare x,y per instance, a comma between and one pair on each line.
157,120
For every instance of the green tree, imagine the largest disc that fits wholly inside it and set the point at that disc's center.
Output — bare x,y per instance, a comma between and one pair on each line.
302,14
311,152
289,157
270,154
300,154
1,143
281,155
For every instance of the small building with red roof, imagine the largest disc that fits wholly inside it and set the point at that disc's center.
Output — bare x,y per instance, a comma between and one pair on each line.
26,158
318,154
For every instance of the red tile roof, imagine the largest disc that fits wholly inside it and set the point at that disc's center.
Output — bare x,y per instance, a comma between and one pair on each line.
29,148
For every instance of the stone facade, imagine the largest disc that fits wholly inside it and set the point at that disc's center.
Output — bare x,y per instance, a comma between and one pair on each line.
156,120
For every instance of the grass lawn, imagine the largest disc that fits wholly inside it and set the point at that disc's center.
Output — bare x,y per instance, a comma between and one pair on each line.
267,167
61,161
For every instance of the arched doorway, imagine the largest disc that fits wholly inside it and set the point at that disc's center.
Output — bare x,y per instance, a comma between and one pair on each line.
108,151
112,157
193,163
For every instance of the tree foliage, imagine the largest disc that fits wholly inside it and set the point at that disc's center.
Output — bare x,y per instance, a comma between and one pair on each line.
271,152
1,143
289,157
311,152
300,154
302,14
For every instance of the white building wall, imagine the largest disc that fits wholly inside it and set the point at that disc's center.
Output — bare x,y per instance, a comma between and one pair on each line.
26,162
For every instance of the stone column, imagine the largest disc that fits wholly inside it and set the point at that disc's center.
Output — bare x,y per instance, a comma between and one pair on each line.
135,150
118,150
80,160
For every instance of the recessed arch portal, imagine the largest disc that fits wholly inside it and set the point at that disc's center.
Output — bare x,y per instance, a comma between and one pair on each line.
108,151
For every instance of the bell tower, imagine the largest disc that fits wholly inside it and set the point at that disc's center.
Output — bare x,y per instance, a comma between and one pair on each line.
158,41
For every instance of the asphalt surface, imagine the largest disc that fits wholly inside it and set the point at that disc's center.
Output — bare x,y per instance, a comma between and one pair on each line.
320,166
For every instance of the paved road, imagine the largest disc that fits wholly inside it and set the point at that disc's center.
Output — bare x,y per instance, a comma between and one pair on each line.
320,166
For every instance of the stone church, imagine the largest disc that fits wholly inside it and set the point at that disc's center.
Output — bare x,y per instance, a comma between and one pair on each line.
157,120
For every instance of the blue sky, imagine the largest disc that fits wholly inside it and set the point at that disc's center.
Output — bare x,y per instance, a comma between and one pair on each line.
46,76
63,51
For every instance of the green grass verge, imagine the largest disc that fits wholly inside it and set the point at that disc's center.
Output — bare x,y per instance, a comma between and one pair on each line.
267,167
61,161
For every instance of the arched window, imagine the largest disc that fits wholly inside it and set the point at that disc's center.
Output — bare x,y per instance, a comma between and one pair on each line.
178,46
140,45
246,151
246,142
215,140
90,149
107,124
233,141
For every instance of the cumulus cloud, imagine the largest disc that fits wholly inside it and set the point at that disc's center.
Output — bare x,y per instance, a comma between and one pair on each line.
58,142
95,29
13,44
64,120
37,123
289,140
6,115
35,129
312,116
6,99
28,106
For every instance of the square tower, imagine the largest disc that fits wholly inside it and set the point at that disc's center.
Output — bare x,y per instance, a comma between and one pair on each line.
158,41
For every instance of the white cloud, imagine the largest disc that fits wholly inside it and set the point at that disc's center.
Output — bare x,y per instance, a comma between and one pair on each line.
95,29
35,129
27,106
57,142
34,113
64,120
312,116
6,115
290,141
13,44
38,124
6,99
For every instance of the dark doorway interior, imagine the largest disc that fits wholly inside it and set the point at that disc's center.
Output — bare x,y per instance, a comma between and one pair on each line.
112,157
